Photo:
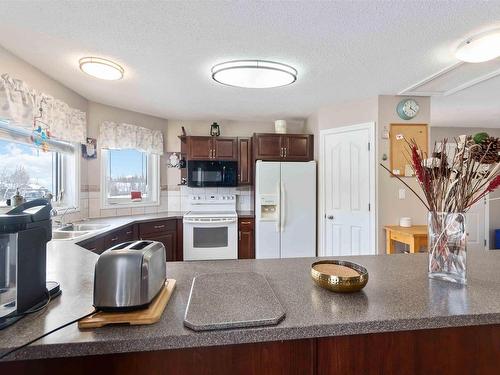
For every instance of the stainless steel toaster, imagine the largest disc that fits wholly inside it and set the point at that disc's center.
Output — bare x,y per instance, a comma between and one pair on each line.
129,275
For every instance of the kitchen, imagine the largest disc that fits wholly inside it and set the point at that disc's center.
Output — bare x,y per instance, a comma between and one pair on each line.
225,186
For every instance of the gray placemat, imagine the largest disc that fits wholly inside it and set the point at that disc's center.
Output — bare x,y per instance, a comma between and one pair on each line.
231,300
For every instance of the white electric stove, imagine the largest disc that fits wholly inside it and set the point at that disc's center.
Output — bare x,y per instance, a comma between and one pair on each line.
211,227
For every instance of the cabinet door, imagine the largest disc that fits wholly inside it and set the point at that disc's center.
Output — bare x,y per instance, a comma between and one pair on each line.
245,162
169,240
268,147
96,245
298,147
246,242
225,148
199,148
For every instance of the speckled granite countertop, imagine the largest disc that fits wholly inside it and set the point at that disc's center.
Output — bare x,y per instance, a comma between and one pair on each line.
116,222
399,296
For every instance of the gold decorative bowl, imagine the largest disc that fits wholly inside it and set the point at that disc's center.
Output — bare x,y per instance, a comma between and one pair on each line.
339,275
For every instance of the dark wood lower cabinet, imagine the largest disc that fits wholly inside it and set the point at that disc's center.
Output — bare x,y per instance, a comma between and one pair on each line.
167,231
246,238
283,358
463,350
449,351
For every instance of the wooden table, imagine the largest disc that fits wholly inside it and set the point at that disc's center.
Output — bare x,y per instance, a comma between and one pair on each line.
414,236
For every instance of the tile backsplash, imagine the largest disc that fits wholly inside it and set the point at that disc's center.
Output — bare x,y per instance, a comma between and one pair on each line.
174,198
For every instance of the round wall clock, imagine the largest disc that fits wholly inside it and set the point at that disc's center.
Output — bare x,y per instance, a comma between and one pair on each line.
407,109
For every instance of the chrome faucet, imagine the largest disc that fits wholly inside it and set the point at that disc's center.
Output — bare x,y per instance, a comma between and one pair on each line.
60,223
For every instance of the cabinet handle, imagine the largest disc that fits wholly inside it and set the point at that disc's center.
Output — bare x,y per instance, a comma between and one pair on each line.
159,226
285,151
129,232
246,222
281,152
114,239
239,235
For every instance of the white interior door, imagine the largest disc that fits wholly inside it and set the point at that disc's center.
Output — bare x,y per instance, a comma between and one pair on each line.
475,226
347,187
475,219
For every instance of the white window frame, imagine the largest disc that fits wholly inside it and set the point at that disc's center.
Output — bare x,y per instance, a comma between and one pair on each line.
66,176
125,202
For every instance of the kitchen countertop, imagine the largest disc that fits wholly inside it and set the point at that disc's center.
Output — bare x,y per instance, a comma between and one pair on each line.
398,297
246,214
116,222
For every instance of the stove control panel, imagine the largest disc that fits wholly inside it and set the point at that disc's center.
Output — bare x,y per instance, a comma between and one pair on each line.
212,199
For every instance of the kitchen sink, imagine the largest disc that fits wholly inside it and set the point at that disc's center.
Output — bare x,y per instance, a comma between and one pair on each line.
57,235
82,227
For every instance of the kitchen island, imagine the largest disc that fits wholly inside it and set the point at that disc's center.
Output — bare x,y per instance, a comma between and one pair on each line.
401,323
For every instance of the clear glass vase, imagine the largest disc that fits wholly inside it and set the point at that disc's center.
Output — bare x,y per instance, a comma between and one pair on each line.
447,247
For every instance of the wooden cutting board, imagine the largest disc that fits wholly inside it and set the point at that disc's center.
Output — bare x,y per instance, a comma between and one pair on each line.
146,316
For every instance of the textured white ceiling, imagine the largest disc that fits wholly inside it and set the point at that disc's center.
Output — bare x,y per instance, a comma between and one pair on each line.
342,50
478,106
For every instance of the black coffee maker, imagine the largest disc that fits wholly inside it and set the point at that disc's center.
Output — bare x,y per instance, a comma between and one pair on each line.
24,233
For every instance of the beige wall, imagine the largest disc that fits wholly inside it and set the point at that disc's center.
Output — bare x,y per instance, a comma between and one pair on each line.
382,111
439,133
338,115
344,114
98,113
20,69
390,208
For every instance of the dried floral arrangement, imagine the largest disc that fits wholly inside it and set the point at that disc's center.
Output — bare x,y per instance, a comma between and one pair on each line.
453,181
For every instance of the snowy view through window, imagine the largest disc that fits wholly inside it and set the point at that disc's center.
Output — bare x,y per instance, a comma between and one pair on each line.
26,168
127,172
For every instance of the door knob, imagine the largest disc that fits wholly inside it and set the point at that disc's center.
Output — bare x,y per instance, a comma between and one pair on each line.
330,217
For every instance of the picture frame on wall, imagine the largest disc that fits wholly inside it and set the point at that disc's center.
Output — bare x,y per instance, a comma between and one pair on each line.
89,149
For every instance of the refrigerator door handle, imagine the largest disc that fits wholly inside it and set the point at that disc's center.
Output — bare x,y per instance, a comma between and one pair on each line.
278,220
282,207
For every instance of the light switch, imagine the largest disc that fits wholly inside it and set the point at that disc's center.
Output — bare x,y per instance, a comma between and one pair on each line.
402,194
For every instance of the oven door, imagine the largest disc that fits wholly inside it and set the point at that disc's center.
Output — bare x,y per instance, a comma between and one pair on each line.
209,238
205,173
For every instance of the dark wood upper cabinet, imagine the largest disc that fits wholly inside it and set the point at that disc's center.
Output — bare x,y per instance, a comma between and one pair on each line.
245,161
267,147
199,148
225,148
283,147
212,148
298,147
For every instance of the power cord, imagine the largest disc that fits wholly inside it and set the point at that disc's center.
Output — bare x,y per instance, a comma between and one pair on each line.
46,334
32,311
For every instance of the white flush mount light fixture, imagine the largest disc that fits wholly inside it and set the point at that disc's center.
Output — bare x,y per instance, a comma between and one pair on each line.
101,68
480,48
254,74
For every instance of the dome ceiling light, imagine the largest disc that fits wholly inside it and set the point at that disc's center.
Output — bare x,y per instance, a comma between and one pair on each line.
254,74
480,48
101,68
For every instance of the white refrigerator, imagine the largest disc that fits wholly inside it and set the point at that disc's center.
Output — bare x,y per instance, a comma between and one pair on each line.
285,209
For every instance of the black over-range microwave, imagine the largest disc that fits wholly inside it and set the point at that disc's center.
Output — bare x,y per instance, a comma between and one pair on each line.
212,173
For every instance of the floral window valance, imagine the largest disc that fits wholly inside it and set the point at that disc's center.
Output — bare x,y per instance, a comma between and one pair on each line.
20,105
119,136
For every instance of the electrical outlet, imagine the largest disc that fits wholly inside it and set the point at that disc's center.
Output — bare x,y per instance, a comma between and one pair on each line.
402,194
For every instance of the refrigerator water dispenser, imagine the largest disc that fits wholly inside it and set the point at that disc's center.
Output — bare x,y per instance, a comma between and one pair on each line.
269,207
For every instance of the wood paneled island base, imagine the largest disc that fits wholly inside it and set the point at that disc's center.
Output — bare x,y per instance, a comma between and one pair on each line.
473,350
